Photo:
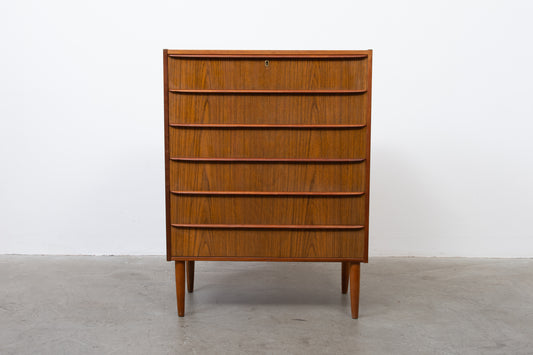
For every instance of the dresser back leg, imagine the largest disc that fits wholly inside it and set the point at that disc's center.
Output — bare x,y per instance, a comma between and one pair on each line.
190,275
180,287
354,288
345,276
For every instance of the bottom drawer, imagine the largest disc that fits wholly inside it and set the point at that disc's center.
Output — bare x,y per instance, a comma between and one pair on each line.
211,242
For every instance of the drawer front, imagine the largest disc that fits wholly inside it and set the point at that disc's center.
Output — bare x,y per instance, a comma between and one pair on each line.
277,210
267,109
279,74
197,242
268,143
296,177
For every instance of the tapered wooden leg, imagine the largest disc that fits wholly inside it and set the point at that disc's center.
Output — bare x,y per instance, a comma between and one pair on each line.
180,287
354,288
190,275
345,275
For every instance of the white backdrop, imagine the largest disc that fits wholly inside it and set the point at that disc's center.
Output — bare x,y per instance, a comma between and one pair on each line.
81,117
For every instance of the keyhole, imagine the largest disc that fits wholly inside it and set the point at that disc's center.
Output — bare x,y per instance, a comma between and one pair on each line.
267,63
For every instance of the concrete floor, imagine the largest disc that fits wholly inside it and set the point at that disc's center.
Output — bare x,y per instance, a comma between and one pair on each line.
126,305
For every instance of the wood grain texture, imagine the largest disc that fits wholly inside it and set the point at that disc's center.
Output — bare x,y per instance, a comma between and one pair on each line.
268,161
237,176
180,287
265,193
262,126
268,109
270,54
280,143
268,92
285,53
273,227
190,275
245,209
279,74
354,288
368,107
265,258
167,152
345,276
264,243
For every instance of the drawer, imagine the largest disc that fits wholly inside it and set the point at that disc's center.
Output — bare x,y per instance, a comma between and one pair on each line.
236,176
268,143
200,242
278,210
279,74
268,109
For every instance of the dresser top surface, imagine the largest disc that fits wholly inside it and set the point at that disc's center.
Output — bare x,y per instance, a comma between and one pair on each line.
288,53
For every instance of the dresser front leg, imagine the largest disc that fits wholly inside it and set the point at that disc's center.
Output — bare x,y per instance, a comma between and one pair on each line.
345,276
354,288
190,275
180,287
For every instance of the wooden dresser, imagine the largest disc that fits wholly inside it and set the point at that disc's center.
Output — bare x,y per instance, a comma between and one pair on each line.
267,158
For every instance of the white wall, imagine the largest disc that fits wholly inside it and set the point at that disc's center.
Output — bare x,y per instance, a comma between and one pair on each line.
81,117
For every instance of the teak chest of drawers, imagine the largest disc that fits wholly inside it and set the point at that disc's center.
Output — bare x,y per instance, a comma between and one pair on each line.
267,158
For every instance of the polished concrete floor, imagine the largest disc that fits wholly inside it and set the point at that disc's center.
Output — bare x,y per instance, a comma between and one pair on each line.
126,305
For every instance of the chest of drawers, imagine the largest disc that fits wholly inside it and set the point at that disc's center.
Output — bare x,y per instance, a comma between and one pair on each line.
267,158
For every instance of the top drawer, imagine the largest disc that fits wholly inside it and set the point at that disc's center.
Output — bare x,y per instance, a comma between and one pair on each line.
264,73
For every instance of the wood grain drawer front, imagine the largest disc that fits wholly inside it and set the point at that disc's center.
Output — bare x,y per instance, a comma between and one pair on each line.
268,109
256,74
278,210
199,242
235,176
269,143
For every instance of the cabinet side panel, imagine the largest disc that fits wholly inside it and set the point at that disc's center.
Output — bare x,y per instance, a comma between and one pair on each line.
167,154
367,175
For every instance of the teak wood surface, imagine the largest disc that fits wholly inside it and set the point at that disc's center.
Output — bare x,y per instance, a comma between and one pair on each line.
267,158
296,109
250,209
268,143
